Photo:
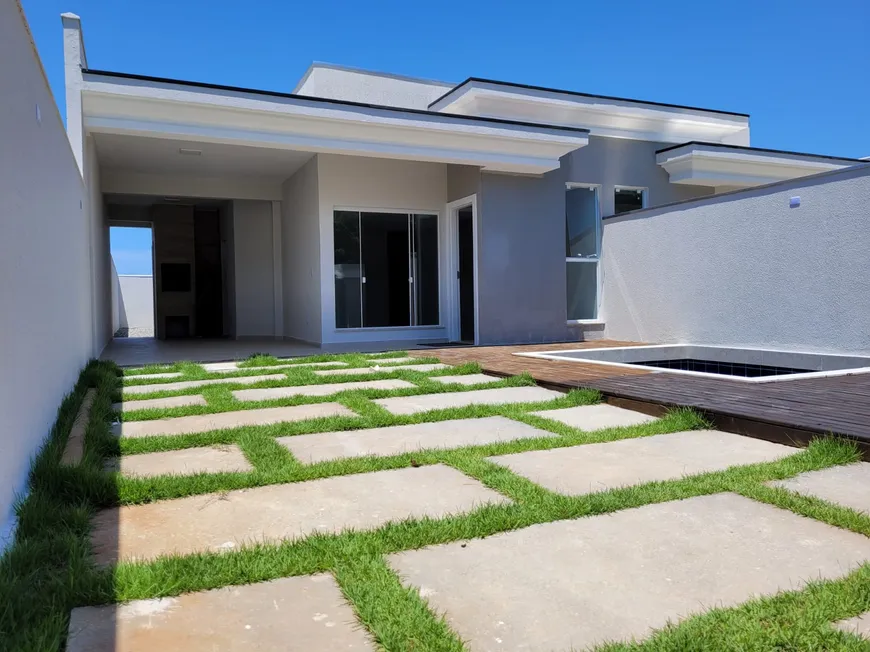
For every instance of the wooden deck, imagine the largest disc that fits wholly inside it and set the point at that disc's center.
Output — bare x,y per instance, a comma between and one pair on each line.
793,411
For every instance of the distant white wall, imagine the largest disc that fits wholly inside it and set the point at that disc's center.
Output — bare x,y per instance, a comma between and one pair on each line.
370,88
376,183
254,279
45,324
745,269
300,232
136,296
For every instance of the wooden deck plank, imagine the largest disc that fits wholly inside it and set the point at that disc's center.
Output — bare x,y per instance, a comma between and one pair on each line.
838,404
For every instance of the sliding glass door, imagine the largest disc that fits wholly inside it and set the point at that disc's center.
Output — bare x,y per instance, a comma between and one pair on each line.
386,269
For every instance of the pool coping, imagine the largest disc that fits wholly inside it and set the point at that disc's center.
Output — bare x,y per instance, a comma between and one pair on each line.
576,355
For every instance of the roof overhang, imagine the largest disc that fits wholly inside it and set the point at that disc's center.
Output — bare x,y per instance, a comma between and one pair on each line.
706,164
164,108
603,116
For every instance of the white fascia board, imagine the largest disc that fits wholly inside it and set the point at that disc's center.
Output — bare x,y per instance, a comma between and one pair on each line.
703,167
603,117
175,110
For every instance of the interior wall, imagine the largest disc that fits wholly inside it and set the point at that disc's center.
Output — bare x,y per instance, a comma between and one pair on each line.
254,272
300,249
746,269
372,183
228,266
46,288
173,243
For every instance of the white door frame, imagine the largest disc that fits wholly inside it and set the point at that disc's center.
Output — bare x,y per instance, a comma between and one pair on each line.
452,250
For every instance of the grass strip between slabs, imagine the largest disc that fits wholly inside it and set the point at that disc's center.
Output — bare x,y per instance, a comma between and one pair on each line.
48,569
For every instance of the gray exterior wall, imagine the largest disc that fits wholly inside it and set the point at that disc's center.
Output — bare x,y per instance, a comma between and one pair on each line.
744,269
616,162
462,181
521,255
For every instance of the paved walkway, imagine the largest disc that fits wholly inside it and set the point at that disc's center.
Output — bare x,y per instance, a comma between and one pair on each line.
559,585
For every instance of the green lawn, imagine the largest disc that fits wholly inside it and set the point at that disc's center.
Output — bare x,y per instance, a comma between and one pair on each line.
48,569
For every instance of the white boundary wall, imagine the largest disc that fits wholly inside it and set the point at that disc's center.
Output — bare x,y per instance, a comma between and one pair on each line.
46,331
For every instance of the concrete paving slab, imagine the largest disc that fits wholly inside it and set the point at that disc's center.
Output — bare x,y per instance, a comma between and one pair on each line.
395,440
596,417
298,614
573,584
188,384
370,370
222,420
283,367
287,511
160,403
382,361
318,390
221,366
590,468
174,374
847,485
75,442
188,461
425,402
467,379
859,625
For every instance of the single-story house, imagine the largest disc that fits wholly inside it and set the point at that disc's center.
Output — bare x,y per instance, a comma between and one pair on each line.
371,207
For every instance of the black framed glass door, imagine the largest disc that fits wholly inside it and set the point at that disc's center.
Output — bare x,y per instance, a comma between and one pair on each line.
386,269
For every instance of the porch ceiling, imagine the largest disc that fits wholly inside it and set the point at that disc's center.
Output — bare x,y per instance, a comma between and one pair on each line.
138,154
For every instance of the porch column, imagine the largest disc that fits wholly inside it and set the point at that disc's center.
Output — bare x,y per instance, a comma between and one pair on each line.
277,270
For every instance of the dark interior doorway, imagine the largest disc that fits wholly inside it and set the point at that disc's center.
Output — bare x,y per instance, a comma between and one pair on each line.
465,218
208,299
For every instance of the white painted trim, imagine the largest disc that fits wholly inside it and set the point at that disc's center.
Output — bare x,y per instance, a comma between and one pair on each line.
277,270
611,117
559,356
452,211
707,165
175,110
599,232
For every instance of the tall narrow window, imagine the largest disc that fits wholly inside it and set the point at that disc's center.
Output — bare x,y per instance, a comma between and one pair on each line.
582,251
386,269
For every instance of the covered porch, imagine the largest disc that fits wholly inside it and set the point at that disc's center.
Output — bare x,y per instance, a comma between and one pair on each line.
279,217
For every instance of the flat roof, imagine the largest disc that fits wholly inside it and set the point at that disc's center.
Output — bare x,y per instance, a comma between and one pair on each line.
763,150
326,100
579,94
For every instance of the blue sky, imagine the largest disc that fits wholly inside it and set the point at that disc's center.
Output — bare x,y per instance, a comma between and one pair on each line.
798,67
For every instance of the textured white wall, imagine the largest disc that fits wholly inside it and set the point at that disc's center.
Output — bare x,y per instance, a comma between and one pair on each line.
136,301
300,249
375,183
370,88
745,269
252,244
45,323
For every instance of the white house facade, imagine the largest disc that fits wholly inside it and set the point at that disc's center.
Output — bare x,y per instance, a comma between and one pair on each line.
367,207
